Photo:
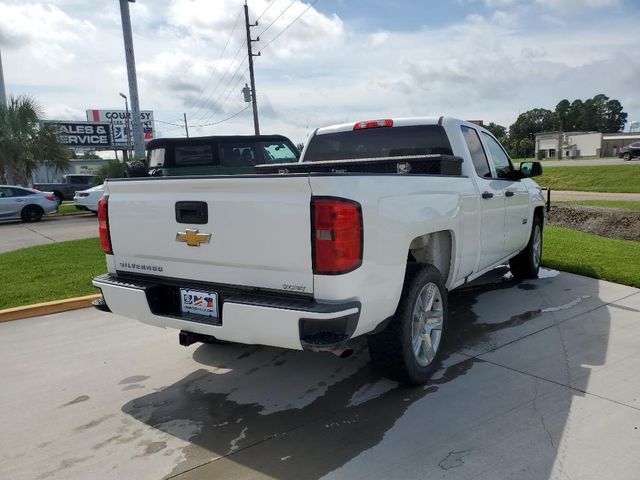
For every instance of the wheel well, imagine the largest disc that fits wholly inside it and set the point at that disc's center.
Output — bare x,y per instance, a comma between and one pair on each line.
433,248
539,212
33,205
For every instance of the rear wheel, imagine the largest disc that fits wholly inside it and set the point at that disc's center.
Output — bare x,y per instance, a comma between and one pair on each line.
626,157
32,213
409,347
59,197
527,263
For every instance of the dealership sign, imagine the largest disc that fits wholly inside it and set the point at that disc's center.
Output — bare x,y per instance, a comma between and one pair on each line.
82,134
118,120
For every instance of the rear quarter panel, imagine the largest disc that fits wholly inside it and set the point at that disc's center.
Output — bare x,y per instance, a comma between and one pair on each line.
397,209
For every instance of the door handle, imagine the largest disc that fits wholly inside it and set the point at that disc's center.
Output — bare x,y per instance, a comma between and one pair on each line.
509,193
487,195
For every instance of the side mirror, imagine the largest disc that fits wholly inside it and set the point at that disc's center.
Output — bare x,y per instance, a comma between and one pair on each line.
531,169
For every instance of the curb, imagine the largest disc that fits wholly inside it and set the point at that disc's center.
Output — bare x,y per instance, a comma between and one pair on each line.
57,306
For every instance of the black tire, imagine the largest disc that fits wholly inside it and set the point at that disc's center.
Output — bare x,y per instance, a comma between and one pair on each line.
59,197
626,157
527,263
392,350
32,213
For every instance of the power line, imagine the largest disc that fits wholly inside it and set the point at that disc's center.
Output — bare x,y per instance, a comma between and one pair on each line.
287,27
213,70
219,102
223,76
265,10
276,19
167,123
226,119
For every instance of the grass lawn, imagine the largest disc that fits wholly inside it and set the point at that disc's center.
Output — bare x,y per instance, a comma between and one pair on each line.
67,208
607,178
632,205
50,272
598,257
65,269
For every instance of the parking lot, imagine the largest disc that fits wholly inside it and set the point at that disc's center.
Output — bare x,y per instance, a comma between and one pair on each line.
539,381
15,235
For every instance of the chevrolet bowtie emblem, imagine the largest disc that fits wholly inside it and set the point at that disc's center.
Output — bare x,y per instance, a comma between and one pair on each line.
192,238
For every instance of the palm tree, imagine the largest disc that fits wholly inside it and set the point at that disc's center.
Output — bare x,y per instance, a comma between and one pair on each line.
25,143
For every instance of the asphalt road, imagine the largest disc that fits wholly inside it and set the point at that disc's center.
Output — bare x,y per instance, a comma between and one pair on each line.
15,235
540,381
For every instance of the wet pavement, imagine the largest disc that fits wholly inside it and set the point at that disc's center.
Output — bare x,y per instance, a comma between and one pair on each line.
539,381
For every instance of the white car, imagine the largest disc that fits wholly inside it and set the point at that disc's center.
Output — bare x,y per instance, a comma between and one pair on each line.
25,203
364,237
88,199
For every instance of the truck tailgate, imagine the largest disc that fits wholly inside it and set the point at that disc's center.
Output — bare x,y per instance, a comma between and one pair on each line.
259,226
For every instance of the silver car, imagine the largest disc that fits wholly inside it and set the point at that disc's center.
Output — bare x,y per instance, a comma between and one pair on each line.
25,203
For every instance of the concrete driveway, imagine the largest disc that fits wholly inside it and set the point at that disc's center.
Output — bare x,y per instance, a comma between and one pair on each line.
540,381
15,235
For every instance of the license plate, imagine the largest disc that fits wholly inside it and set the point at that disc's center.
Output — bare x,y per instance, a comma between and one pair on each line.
199,302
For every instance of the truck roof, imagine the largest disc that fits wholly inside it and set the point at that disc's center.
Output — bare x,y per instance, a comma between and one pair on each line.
397,122
160,142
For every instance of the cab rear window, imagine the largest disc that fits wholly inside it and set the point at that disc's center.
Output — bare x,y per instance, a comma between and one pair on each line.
379,143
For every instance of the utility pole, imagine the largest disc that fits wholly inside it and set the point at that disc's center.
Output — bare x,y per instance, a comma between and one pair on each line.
186,126
138,134
3,93
256,125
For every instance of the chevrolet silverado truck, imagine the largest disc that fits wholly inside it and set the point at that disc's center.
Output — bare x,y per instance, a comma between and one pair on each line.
363,237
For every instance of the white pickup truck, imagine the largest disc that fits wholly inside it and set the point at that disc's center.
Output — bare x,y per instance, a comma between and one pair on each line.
364,236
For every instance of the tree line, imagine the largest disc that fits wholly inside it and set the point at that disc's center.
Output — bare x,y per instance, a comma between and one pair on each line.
597,114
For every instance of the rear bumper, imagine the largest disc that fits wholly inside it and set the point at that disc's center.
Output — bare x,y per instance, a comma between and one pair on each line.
246,316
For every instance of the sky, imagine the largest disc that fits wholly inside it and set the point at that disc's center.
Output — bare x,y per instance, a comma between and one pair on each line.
340,61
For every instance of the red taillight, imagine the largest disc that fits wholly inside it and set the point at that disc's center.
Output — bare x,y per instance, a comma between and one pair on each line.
373,124
50,197
337,235
103,224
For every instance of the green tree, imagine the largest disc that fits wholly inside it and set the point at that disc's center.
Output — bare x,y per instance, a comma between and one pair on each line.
25,144
498,131
525,147
562,113
615,119
531,122
112,169
574,116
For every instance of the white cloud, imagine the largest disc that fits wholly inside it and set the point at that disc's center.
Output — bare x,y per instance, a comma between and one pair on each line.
577,6
320,71
44,30
499,3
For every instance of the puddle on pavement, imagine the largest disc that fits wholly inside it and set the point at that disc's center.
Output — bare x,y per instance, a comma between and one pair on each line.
334,424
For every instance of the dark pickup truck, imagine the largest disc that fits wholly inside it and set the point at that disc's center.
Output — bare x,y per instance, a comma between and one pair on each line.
67,188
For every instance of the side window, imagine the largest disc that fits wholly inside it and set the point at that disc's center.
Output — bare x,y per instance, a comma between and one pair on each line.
6,192
237,154
191,155
19,192
500,159
478,156
278,152
79,180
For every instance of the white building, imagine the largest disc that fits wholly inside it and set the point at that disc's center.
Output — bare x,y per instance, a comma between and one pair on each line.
568,144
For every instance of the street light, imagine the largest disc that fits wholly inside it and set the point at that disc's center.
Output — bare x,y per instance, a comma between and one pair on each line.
126,122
